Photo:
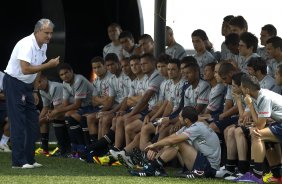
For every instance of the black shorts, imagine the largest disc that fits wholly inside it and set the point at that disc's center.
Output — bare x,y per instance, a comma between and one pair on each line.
222,124
276,129
202,164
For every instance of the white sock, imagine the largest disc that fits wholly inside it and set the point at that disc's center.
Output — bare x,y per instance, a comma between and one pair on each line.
4,139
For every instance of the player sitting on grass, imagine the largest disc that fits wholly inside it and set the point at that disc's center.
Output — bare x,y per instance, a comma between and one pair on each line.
197,144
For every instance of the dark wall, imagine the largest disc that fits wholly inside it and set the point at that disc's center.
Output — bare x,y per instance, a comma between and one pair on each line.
86,28
80,32
17,22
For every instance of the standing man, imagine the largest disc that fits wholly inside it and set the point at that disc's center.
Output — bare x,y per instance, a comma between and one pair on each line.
25,62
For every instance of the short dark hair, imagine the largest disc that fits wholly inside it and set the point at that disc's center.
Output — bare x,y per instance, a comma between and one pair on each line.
228,18
250,82
64,66
258,64
146,37
188,59
164,58
201,34
239,21
134,56
112,57
250,40
212,65
126,34
225,68
270,29
190,113
193,66
175,61
149,56
97,59
126,59
237,78
276,42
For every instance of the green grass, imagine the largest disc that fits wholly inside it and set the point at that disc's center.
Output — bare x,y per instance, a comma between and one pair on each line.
66,170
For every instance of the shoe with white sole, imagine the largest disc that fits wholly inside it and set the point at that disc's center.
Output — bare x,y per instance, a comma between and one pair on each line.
25,166
126,160
5,148
233,176
35,164
114,153
223,173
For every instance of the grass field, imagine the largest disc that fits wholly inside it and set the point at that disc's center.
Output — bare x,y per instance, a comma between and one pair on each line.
62,170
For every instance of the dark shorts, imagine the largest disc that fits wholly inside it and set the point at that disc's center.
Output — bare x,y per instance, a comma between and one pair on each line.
144,114
3,114
276,129
202,164
222,124
245,130
88,109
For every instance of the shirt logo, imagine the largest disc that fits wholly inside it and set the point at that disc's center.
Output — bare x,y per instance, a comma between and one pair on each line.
23,98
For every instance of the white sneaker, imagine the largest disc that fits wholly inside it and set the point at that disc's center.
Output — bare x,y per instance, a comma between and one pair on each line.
223,173
5,148
35,164
126,160
25,166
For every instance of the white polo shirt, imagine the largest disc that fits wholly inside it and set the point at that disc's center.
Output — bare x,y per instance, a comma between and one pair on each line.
27,50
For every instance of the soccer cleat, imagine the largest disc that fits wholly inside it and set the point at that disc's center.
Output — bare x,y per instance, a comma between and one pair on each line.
139,157
223,173
102,160
5,148
233,176
268,178
249,177
116,163
148,170
86,156
273,180
40,151
56,150
114,153
192,174
125,160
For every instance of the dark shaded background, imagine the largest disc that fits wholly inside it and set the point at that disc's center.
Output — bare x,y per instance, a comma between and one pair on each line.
80,27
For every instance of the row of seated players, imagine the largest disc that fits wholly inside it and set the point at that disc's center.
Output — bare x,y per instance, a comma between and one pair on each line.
131,104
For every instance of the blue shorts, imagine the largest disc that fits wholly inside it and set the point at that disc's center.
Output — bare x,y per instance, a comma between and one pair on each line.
276,129
222,124
202,164
88,109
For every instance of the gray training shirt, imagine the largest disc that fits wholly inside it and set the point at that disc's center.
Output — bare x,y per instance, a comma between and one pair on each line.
203,139
54,95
